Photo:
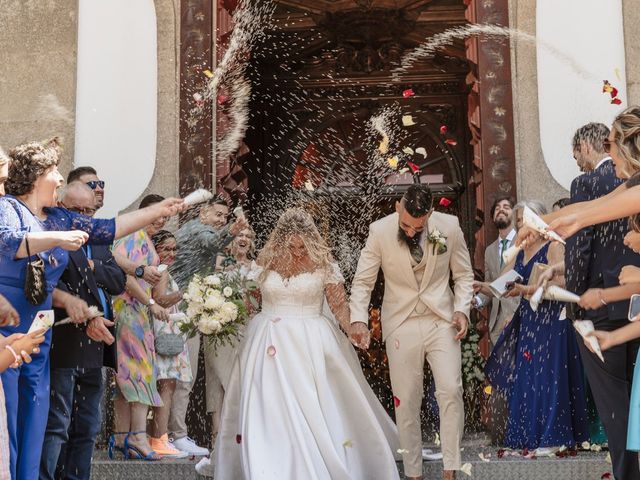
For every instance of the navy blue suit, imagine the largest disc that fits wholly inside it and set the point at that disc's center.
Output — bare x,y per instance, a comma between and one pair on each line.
593,259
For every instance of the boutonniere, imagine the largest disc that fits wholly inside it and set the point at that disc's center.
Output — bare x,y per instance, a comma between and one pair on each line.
438,240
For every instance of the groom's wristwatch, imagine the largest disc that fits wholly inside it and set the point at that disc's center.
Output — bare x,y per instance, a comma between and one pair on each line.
139,271
151,303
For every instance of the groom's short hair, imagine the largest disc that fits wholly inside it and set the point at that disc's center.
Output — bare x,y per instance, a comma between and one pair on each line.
418,200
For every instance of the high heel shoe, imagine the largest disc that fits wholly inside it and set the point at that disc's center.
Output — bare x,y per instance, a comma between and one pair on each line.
112,446
137,453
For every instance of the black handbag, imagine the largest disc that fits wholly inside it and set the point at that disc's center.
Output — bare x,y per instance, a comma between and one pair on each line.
169,344
35,283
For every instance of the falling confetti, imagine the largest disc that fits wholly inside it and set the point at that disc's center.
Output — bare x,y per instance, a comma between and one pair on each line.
309,185
611,90
397,344
437,439
466,468
393,162
208,73
422,151
483,458
527,356
444,202
488,390
384,145
451,142
414,168
238,439
606,476
396,401
407,120
271,351
402,450
408,150
443,129
347,444
408,93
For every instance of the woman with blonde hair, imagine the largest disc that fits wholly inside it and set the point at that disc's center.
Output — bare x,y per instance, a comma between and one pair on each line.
298,405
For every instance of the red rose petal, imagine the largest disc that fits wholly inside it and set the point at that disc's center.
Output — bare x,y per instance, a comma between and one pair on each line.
616,101
238,439
444,202
271,351
527,356
414,168
396,401
221,99
408,93
443,129
606,476
450,141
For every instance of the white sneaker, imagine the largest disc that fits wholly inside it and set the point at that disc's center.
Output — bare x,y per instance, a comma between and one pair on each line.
187,445
205,468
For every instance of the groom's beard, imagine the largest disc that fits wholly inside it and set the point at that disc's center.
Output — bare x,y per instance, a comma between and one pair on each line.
407,240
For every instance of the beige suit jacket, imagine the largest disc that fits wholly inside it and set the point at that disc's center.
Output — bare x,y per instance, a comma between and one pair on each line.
402,292
501,309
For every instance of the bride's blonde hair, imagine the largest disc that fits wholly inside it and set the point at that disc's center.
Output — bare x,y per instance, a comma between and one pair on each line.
295,221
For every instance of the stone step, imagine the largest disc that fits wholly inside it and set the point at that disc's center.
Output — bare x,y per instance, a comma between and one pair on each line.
584,466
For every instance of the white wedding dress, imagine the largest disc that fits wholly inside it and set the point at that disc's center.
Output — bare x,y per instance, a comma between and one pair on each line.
298,406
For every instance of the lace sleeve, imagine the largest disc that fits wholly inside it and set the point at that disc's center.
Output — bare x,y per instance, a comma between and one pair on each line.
12,231
334,275
101,231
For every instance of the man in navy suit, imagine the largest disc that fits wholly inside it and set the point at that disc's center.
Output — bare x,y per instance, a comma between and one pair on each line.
593,260
79,351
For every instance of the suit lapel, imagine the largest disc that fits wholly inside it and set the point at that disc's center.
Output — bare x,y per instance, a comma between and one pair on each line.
429,252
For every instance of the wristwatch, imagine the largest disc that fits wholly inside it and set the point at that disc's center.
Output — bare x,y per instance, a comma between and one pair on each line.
151,303
139,271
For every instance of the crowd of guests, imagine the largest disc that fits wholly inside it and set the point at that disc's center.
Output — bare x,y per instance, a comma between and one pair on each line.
117,283
548,388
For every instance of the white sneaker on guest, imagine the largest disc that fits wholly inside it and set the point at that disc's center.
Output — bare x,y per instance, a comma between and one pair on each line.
205,468
188,445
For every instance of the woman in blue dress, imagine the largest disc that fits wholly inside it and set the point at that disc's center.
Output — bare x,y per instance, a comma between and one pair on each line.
536,363
28,213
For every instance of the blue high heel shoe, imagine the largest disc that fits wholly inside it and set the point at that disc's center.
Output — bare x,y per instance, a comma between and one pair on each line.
113,447
137,454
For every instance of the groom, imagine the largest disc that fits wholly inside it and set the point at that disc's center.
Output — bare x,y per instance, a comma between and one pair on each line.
419,251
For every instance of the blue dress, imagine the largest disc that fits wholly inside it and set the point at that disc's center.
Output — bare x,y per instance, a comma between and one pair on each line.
27,387
536,365
633,431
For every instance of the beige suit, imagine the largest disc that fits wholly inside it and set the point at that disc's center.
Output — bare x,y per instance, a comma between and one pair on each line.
502,310
417,311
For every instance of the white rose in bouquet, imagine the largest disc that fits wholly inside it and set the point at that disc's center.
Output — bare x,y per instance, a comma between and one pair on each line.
212,281
194,291
209,324
229,312
194,309
214,300
227,292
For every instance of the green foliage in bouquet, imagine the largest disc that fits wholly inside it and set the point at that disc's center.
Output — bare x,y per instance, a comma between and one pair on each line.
472,378
216,306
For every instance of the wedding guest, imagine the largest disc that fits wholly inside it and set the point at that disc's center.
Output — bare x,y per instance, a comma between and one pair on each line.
235,261
171,367
89,176
136,377
34,231
78,352
535,361
199,240
502,309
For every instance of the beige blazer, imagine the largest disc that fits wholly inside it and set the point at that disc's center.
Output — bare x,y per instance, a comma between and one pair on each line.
501,309
402,292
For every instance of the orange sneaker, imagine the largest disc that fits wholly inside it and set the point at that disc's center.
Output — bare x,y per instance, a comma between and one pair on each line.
163,448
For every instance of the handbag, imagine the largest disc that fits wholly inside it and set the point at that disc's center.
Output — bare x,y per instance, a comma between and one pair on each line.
169,344
35,284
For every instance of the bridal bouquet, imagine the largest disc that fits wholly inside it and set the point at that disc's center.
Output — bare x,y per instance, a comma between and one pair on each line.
216,307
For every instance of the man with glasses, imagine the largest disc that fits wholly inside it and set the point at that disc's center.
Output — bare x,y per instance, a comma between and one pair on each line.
89,176
79,351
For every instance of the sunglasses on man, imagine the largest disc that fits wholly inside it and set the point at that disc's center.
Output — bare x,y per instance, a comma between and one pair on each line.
95,183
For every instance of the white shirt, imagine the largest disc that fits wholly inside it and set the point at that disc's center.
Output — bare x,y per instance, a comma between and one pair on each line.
599,164
510,236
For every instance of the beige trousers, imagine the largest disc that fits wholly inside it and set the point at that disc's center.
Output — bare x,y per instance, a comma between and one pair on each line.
180,401
414,340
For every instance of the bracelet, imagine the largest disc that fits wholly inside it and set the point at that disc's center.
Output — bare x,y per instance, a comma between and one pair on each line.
15,356
601,299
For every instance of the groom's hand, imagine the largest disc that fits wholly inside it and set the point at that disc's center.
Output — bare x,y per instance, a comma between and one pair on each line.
461,324
359,335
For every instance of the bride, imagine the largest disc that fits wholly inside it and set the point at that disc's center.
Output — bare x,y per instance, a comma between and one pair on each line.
298,405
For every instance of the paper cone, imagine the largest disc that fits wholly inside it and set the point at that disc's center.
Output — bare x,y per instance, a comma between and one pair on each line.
553,292
178,317
533,221
509,254
535,299
198,196
43,319
584,327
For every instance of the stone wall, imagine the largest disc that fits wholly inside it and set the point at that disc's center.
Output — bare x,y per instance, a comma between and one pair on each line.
38,78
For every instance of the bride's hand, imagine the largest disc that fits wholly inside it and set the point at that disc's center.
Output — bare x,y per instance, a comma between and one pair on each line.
359,335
